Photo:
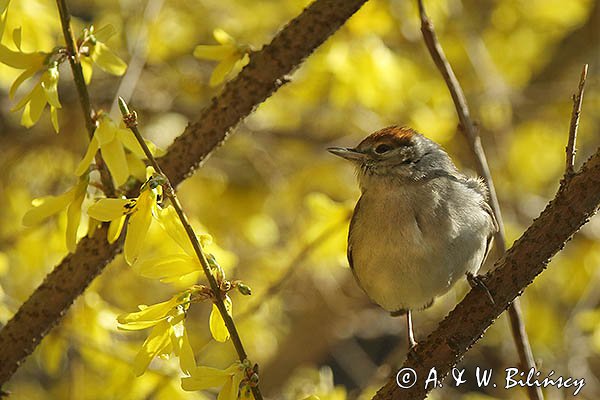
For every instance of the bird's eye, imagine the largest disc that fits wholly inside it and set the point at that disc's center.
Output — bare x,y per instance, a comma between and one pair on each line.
383,148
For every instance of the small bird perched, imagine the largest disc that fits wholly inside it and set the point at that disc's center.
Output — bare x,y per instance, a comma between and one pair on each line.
419,225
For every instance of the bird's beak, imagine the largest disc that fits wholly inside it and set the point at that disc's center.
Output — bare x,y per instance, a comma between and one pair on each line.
347,153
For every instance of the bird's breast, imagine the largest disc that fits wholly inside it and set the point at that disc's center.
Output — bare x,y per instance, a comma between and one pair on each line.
407,247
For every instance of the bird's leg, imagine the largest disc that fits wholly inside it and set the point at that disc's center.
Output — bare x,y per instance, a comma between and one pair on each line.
477,281
409,327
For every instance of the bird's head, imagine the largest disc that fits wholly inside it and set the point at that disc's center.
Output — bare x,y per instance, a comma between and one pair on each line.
396,153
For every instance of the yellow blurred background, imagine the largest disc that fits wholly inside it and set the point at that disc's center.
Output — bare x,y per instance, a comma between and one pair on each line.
277,204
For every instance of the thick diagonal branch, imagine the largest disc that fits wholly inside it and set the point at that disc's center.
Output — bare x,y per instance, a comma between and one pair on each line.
472,134
256,82
574,204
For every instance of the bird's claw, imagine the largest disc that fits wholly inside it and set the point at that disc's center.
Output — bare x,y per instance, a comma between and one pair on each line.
477,281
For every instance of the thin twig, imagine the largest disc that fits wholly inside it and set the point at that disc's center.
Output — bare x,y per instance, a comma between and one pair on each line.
82,92
571,145
139,55
130,119
253,85
469,129
290,268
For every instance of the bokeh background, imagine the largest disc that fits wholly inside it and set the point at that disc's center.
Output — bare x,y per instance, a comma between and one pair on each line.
277,204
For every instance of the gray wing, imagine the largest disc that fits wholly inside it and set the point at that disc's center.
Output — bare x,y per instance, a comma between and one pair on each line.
478,184
488,245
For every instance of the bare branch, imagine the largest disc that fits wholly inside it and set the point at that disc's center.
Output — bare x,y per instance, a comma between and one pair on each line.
468,128
130,119
258,80
276,286
82,92
571,145
464,116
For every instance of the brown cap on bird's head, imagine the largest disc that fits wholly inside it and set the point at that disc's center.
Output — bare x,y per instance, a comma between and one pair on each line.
378,143
393,136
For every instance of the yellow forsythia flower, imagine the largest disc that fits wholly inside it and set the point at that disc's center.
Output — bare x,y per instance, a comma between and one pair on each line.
229,54
3,8
44,92
112,140
94,51
174,267
107,138
218,329
140,211
168,333
47,206
206,377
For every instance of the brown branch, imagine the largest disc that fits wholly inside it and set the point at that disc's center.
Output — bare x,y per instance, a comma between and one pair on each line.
574,49
265,73
257,81
572,207
130,119
466,123
34,319
570,149
82,92
294,264
468,128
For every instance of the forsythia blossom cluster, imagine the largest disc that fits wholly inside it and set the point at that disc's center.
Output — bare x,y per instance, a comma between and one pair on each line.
124,157
45,65
231,56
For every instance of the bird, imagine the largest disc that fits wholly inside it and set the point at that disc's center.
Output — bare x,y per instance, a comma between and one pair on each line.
419,225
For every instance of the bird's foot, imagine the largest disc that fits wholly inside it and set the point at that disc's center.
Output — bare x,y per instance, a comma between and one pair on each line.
477,281
412,353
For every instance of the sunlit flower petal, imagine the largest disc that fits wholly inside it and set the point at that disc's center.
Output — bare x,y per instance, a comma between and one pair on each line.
104,33
130,142
54,118
45,91
170,222
46,207
231,388
28,73
223,69
206,377
223,37
3,7
148,315
87,69
20,60
187,361
138,225
71,200
74,213
107,60
168,268
49,83
218,329
111,209
114,229
85,163
106,131
211,52
114,156
159,338
137,168
33,107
